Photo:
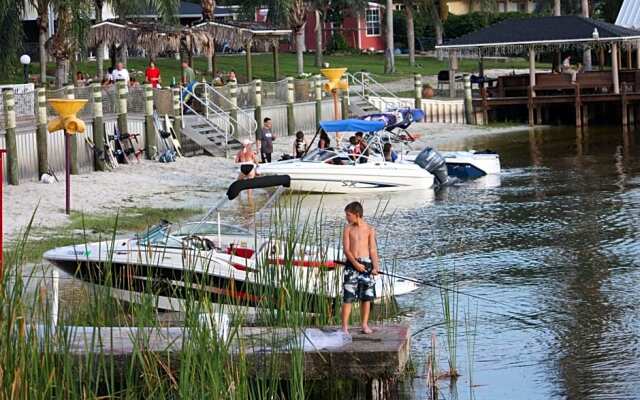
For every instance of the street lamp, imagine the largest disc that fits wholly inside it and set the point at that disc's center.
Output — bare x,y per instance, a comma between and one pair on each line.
25,60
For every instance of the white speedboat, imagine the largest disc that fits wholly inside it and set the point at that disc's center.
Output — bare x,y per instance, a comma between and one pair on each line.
227,264
337,171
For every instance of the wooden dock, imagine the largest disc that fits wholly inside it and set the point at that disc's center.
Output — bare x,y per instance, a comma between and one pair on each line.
592,93
382,355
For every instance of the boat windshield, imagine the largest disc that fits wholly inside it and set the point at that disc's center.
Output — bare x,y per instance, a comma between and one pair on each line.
210,228
159,235
319,155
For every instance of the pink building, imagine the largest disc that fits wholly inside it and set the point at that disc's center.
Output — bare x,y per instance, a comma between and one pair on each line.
363,31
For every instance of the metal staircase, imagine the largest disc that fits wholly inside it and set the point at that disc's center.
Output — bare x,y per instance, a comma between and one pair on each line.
367,96
211,126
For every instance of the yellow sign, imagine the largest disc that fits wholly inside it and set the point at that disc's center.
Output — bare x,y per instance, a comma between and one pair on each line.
67,120
334,75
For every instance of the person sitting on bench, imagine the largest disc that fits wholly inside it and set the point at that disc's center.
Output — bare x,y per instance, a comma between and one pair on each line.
567,68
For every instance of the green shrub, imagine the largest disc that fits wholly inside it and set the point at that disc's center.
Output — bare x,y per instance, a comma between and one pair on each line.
458,25
338,43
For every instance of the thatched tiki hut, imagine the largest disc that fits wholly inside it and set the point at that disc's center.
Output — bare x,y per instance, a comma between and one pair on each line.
155,38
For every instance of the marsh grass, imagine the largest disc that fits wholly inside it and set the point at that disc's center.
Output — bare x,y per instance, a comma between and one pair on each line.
449,296
471,330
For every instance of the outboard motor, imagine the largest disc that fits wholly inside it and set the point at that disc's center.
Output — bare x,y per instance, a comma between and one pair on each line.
432,161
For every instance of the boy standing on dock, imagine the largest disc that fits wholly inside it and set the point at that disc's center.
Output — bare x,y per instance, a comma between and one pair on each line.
359,242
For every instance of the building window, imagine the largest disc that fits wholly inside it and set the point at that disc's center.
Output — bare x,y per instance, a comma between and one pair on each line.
502,6
373,22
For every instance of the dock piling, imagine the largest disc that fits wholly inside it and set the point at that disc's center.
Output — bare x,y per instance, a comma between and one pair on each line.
318,90
41,132
177,113
150,145
257,113
10,138
291,121
98,128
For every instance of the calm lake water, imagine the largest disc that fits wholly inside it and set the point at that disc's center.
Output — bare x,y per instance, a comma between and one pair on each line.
554,248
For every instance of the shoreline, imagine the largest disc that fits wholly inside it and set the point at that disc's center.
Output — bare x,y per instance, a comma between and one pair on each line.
190,182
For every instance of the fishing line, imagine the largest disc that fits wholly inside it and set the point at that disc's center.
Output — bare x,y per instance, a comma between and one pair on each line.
425,283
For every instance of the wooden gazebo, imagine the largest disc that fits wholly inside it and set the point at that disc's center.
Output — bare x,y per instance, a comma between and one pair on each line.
532,36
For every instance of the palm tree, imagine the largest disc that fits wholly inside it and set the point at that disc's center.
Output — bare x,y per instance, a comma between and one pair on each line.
208,14
389,58
208,8
42,22
97,7
411,33
11,34
297,17
62,43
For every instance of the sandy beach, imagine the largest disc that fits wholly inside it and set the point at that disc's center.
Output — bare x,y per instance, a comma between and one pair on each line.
193,182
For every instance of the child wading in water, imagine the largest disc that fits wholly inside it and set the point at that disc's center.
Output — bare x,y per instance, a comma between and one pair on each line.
361,267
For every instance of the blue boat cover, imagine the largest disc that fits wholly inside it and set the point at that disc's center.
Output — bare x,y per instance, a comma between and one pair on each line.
351,125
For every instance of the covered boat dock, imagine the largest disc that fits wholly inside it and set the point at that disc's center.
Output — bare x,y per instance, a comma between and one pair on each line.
544,97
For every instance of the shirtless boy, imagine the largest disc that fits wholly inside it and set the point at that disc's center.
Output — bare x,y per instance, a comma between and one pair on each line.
362,265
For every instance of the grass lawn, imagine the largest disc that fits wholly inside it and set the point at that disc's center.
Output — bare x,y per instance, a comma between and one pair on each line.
263,66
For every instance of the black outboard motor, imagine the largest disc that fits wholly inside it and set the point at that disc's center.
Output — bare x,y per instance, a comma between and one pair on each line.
432,161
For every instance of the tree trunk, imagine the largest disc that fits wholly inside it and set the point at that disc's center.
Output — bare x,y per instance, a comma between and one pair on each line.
60,73
586,54
389,59
411,36
300,49
556,8
439,30
100,47
210,71
124,57
319,32
42,39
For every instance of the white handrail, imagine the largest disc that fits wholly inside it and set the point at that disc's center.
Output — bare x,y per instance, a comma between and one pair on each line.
230,130
253,125
363,79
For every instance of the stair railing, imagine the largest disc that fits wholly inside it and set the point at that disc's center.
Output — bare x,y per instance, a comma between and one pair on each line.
250,124
371,88
211,109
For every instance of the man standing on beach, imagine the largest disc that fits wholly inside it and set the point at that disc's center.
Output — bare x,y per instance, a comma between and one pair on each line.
361,250
265,141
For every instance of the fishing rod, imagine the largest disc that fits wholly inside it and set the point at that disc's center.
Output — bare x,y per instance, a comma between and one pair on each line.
516,315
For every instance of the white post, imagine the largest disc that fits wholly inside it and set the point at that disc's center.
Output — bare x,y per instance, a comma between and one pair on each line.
614,68
55,277
638,54
532,67
206,98
219,234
